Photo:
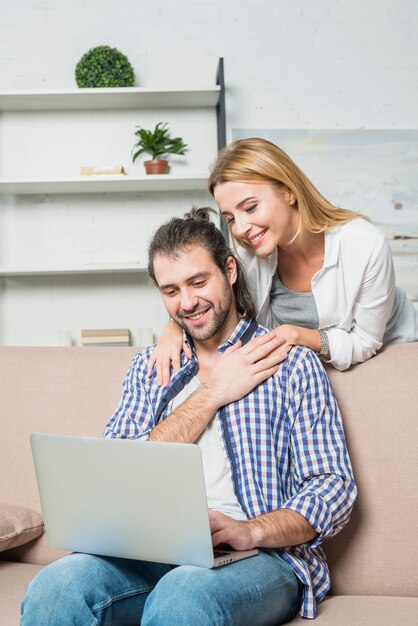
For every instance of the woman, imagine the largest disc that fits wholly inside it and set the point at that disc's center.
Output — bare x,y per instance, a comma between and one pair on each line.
322,276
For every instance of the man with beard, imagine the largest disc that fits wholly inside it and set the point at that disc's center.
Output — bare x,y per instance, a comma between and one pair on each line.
277,472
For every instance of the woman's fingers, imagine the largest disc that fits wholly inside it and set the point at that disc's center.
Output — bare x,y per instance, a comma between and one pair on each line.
165,368
152,361
167,352
187,351
159,371
175,361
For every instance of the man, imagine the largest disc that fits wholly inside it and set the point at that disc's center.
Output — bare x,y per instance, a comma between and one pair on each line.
277,472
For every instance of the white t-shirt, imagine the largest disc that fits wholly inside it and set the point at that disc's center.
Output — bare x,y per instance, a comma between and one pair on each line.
216,467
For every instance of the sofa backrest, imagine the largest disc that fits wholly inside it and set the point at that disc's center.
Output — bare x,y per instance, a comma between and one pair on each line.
55,390
376,553
75,391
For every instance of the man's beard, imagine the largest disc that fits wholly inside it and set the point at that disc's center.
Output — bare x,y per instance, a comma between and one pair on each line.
220,314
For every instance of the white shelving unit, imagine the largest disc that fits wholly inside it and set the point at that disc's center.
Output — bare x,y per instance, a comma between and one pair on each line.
73,248
101,100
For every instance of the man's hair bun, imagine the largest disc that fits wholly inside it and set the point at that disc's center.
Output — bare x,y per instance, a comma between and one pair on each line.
200,213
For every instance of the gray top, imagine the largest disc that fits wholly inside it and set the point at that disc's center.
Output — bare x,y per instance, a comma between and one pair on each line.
292,307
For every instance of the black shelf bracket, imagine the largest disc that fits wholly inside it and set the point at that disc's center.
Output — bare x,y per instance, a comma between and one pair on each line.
220,107
221,126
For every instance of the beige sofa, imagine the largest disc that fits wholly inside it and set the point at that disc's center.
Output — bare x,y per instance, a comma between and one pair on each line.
373,562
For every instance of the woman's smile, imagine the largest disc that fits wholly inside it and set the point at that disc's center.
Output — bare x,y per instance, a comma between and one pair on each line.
256,240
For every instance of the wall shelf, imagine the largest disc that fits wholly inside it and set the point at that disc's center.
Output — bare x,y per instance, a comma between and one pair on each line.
105,184
96,268
49,268
112,98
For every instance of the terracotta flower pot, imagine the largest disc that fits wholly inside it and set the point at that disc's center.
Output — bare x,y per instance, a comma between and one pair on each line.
158,166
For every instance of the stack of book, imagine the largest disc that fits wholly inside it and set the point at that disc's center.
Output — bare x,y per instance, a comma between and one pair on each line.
106,337
102,170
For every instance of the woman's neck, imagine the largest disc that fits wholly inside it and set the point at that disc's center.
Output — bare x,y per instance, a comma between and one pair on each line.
307,248
300,261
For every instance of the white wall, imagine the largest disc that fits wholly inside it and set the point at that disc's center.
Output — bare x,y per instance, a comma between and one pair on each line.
292,63
288,64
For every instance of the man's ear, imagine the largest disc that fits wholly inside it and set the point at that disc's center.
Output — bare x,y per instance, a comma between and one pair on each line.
231,270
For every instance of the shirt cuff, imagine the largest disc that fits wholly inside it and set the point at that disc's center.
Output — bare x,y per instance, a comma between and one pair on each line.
316,512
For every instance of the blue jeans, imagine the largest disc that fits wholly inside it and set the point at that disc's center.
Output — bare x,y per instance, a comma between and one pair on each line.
84,590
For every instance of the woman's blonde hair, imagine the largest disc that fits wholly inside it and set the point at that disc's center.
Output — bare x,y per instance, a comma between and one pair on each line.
257,160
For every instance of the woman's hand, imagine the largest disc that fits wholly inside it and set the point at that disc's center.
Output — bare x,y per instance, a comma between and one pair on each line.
289,334
298,336
167,352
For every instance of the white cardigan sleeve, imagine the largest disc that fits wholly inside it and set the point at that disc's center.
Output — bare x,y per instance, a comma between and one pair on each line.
371,310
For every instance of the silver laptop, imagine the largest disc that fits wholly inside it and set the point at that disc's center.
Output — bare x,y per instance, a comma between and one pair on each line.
126,498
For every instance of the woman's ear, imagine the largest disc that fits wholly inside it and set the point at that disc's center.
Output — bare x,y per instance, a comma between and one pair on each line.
290,197
231,270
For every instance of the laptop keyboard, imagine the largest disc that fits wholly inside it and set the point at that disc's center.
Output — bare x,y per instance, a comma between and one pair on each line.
218,553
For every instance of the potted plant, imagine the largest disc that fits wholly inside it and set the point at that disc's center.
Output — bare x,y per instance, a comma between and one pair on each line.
104,66
157,143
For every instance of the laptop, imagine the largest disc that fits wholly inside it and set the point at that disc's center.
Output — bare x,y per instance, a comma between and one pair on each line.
126,498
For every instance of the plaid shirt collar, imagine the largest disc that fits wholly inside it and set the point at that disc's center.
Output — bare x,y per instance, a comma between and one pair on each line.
244,330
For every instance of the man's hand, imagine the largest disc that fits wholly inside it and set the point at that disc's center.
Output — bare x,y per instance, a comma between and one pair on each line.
235,373
277,529
241,368
226,530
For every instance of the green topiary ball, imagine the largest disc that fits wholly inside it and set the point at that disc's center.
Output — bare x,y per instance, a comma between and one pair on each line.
104,67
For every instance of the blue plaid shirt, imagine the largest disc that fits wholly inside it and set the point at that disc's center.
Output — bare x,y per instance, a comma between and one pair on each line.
284,441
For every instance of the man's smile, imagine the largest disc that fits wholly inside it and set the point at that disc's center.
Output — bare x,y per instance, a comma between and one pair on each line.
194,317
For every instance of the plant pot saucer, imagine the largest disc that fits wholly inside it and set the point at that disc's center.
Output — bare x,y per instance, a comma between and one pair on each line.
156,166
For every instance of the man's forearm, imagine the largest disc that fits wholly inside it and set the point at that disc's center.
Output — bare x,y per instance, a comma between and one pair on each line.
281,528
187,422
277,529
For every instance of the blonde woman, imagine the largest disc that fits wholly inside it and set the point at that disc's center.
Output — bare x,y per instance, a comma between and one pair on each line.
322,276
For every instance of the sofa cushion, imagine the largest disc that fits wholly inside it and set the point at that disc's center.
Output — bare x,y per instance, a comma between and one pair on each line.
14,579
18,525
364,611
38,552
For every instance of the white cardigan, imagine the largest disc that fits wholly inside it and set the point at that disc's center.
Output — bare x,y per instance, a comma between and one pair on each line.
357,300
